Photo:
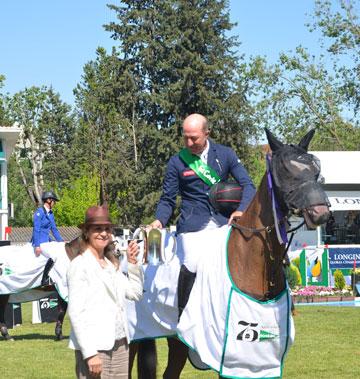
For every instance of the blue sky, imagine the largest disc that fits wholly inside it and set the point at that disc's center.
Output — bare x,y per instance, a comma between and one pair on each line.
46,42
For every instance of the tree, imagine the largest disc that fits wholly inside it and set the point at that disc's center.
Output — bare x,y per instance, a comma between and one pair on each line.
302,91
339,279
341,38
17,194
173,58
45,142
2,110
76,198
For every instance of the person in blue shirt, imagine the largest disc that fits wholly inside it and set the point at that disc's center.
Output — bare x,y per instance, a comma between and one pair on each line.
196,212
44,222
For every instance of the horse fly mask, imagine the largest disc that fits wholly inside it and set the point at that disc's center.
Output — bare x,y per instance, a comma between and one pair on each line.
295,175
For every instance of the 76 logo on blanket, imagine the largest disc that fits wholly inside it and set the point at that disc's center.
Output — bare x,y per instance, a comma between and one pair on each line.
250,332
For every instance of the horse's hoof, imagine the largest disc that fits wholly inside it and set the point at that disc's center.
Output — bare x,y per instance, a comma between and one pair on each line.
4,332
58,332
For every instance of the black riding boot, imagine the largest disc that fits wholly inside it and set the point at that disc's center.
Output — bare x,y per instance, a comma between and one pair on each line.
45,278
185,284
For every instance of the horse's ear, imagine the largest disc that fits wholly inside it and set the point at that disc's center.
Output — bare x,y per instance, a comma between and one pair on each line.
305,141
274,143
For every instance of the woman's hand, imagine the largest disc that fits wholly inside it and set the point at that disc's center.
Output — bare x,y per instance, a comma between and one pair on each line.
95,365
37,251
132,252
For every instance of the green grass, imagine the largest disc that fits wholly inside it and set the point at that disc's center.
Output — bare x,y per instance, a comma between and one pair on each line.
326,346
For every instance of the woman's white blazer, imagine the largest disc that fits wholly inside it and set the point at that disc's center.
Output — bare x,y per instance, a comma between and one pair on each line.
94,298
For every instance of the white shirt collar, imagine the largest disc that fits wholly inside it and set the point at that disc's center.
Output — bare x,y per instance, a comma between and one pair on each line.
204,154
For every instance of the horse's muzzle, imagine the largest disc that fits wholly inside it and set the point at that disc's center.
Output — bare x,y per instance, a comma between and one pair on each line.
316,215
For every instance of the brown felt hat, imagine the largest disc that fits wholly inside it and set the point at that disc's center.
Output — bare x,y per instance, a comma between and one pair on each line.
97,215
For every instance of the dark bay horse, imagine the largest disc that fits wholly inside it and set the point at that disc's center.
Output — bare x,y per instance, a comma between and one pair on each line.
257,241
61,307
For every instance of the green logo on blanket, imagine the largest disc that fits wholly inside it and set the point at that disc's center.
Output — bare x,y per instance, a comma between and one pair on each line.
47,303
250,332
264,335
5,270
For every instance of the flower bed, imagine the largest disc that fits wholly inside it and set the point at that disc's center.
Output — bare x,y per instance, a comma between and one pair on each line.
317,294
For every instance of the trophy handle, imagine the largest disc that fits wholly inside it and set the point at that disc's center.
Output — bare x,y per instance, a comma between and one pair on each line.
140,233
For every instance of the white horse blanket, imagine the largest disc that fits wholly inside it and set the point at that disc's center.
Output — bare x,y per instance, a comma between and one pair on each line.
21,270
232,333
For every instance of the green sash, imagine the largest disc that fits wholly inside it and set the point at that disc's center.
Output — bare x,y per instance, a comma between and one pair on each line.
202,170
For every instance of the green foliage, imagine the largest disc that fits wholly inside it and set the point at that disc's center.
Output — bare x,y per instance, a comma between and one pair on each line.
2,109
172,58
75,199
23,208
339,279
293,276
296,262
302,91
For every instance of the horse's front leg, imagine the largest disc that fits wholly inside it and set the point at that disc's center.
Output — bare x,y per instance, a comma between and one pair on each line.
177,356
133,349
146,361
4,299
62,307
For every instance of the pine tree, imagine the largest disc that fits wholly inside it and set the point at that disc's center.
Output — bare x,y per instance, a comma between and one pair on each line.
172,58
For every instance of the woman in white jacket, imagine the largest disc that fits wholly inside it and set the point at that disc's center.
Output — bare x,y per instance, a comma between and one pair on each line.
97,292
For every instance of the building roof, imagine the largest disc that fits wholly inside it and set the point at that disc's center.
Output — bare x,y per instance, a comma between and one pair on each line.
22,235
10,135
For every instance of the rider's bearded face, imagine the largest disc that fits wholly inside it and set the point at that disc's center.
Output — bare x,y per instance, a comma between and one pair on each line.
195,137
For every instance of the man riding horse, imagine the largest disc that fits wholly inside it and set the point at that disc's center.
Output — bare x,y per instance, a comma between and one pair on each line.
191,173
252,254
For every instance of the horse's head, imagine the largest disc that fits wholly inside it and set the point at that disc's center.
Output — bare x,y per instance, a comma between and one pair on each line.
295,175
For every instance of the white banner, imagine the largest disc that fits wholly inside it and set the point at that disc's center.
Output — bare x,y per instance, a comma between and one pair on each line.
342,203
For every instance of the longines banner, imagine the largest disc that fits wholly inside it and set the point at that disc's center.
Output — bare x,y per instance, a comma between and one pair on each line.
342,203
343,257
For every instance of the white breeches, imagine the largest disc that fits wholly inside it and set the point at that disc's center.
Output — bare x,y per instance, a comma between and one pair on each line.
190,245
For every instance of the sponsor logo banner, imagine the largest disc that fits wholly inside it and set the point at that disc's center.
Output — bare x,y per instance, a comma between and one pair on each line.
340,203
342,257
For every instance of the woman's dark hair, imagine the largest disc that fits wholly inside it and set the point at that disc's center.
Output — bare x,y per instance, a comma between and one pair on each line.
79,245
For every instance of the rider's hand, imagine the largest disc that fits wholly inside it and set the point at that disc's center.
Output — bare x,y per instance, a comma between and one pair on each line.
37,251
95,365
234,214
156,224
132,252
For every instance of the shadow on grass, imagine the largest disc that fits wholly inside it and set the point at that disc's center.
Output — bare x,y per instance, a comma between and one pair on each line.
34,336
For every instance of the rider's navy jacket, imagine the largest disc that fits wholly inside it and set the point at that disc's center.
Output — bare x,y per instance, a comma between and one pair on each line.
44,222
195,209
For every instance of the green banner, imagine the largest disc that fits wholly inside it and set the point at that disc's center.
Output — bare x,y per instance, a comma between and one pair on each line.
202,170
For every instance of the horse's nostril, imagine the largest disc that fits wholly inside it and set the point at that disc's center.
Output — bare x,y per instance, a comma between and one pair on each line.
322,219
